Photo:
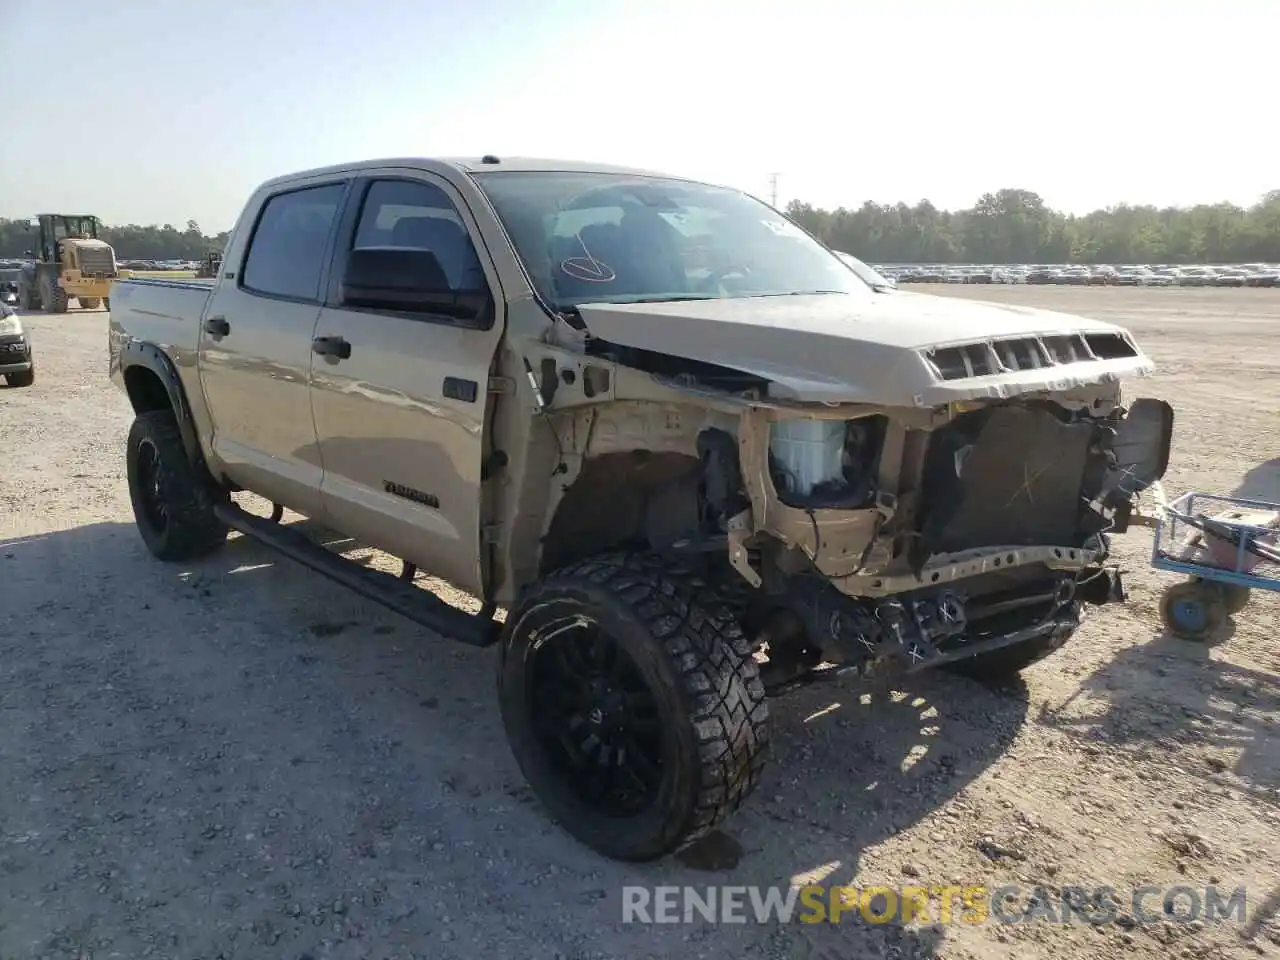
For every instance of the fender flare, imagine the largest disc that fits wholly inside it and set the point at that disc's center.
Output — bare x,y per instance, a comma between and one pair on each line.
139,353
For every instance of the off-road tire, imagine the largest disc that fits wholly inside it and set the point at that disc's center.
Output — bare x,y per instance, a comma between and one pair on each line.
1002,665
23,378
90,303
53,298
695,661
191,528
106,304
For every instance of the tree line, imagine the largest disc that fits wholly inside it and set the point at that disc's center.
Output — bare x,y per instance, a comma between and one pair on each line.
1015,226
1008,226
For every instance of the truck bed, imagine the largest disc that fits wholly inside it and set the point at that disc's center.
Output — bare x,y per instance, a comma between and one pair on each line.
164,312
161,311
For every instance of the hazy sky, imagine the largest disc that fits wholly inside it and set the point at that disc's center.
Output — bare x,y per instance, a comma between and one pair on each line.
152,111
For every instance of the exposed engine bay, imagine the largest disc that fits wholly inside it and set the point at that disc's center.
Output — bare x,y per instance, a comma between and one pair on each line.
995,532
932,504
882,539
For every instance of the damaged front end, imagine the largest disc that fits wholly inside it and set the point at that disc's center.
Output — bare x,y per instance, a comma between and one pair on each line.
884,501
923,538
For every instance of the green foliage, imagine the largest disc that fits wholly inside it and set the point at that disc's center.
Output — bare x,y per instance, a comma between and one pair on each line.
1015,226
132,242
1008,226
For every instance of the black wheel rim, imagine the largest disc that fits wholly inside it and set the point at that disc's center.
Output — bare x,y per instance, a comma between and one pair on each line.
151,487
595,718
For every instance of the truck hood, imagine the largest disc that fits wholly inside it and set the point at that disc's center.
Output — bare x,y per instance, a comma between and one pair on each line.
903,349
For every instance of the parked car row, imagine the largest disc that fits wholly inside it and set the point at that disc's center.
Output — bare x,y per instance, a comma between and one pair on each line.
159,265
148,265
1245,275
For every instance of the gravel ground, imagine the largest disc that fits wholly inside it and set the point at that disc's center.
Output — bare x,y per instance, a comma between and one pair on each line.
238,759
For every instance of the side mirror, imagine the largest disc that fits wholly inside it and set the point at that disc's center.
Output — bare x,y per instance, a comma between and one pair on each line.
409,281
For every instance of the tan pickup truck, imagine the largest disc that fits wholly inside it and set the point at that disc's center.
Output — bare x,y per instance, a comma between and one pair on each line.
693,457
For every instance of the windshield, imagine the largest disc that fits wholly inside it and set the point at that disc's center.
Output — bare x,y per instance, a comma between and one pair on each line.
612,238
83,228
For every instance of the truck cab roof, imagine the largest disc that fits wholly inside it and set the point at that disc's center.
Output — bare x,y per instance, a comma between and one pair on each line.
467,165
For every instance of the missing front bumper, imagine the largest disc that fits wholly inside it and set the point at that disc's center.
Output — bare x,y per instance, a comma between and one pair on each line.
931,628
1059,629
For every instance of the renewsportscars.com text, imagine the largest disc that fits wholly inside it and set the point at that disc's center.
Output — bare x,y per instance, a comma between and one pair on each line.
930,904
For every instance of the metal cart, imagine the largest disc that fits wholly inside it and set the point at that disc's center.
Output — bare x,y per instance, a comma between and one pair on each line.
1227,546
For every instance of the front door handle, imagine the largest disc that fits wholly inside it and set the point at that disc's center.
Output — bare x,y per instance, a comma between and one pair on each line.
335,347
217,326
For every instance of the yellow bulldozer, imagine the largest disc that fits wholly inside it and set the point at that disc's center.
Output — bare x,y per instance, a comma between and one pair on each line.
70,261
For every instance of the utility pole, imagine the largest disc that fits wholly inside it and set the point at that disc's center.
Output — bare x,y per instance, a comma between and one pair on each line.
773,190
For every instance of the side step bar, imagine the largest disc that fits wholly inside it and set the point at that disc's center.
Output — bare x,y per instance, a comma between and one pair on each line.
413,603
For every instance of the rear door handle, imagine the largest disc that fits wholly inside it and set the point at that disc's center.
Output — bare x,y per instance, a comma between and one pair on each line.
217,326
335,347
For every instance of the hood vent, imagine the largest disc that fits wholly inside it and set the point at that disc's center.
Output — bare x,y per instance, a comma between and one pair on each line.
990,357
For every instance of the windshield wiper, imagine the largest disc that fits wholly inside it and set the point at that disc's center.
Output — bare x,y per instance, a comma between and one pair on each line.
676,299
801,293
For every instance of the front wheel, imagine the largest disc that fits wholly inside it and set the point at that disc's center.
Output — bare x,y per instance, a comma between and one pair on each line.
171,505
90,303
106,303
632,704
53,298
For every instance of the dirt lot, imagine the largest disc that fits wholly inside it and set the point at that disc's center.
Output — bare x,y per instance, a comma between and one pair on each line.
241,760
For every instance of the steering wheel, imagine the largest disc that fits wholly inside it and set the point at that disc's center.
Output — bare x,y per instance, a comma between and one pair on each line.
715,280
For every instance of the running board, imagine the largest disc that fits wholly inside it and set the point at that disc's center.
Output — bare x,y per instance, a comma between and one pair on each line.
413,603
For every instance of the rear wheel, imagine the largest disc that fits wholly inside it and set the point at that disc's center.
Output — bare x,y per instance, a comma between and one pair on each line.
172,507
24,379
90,303
632,704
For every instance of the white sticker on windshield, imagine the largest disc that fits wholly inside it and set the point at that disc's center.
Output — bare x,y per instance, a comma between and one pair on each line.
782,228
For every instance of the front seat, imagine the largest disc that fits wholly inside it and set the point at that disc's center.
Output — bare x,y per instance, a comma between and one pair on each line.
449,242
653,262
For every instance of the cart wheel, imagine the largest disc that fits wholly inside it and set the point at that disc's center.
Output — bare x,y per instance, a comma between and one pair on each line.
1234,598
1193,611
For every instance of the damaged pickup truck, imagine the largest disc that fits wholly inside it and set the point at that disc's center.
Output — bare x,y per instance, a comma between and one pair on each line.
689,453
